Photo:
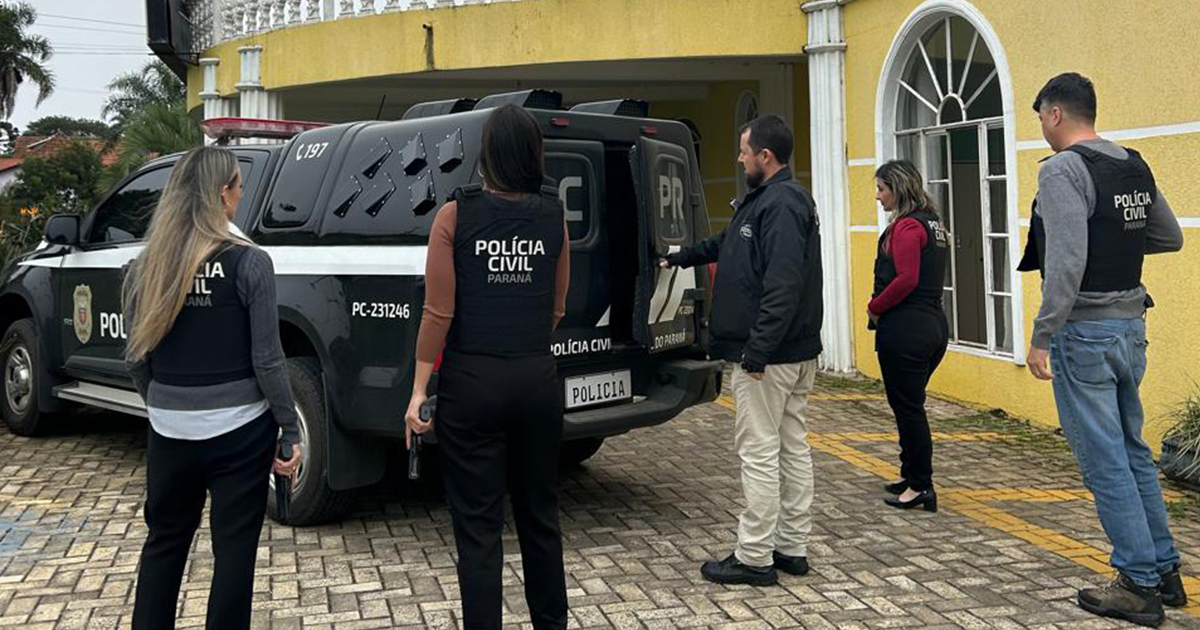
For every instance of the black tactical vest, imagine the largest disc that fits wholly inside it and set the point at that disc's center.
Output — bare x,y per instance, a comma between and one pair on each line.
209,343
928,291
505,261
1125,190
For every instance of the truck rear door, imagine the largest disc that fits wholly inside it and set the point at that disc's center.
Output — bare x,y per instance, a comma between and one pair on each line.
664,301
578,167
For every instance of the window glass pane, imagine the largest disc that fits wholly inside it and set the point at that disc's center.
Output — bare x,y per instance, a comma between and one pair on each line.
940,194
988,103
575,189
1000,271
961,36
981,66
1003,319
995,151
125,215
935,158
935,45
998,202
912,113
907,147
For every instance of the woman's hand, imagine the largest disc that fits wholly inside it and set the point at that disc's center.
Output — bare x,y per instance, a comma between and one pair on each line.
287,468
872,316
412,418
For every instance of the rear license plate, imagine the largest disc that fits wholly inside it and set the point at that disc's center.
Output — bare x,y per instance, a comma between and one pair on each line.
595,389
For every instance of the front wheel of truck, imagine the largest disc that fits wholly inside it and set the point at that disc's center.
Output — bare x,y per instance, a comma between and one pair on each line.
313,501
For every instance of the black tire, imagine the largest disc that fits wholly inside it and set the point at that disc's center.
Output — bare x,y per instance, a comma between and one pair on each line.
575,452
19,399
313,502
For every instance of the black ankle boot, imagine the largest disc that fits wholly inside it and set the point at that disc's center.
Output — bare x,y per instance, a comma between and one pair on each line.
926,500
1170,587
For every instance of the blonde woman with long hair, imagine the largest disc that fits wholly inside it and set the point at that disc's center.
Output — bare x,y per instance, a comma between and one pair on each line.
205,355
906,311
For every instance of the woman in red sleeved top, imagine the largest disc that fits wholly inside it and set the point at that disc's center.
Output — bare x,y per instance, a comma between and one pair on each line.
906,311
496,287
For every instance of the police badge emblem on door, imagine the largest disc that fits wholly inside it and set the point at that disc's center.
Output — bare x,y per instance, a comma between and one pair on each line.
82,314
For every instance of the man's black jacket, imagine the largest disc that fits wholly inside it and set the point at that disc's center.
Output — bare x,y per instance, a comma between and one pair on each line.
767,303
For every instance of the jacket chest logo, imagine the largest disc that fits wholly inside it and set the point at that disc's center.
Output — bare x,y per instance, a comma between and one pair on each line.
746,231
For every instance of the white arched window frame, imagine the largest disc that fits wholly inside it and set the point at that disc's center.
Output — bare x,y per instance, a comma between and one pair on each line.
1003,285
747,110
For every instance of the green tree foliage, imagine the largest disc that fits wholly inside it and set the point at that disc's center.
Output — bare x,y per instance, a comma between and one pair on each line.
158,130
48,125
133,92
23,56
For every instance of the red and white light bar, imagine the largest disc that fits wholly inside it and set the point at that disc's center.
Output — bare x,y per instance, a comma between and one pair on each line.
218,128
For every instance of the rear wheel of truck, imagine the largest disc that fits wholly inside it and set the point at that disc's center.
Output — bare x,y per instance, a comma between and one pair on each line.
313,501
18,359
575,452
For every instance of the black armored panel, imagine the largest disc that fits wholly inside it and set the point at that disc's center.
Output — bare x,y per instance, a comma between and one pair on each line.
412,158
439,108
532,99
450,151
421,195
629,107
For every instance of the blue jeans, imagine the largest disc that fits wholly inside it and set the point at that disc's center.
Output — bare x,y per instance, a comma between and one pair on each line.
1098,366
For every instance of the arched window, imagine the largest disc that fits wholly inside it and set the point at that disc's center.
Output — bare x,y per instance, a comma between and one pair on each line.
747,110
948,119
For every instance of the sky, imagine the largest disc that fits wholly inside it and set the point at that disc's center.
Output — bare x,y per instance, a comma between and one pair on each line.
88,54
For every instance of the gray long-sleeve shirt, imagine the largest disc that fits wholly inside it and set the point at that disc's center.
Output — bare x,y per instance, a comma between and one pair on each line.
198,413
1065,201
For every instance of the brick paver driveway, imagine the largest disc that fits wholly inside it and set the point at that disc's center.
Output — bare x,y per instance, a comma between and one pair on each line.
1016,535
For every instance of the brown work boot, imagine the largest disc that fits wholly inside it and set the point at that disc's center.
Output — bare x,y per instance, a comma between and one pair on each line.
1122,599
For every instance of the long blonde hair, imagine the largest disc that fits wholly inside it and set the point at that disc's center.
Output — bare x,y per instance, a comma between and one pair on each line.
188,226
905,181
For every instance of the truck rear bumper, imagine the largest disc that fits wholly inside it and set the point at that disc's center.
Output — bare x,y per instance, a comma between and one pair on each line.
677,385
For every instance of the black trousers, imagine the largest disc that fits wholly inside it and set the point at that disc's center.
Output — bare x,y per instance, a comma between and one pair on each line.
911,342
500,420
179,473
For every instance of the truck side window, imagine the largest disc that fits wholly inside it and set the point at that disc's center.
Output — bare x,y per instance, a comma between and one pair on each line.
124,216
576,181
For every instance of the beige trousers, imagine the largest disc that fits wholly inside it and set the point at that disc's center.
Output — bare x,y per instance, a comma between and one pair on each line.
777,471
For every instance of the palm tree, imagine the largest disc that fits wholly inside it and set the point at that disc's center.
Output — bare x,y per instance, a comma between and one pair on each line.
159,129
132,92
22,56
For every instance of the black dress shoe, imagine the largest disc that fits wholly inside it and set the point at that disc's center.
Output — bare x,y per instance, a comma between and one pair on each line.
1170,587
731,571
926,500
896,487
792,565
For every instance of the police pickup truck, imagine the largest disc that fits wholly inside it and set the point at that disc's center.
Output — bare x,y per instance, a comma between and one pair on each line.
345,211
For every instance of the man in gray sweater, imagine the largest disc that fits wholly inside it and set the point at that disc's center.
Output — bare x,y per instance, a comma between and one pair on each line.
1098,212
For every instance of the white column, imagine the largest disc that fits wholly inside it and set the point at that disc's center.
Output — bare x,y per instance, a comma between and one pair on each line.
346,9
254,100
826,51
214,105
291,13
314,11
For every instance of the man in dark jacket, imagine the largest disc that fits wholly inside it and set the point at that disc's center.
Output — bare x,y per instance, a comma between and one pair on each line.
766,319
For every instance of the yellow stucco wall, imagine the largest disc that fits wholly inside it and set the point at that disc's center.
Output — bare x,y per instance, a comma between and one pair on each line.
1137,87
514,34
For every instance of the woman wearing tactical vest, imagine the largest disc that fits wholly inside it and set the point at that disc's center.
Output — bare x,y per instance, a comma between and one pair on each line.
496,285
906,311
205,355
